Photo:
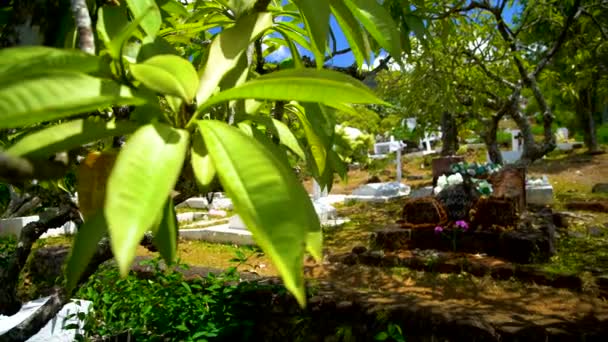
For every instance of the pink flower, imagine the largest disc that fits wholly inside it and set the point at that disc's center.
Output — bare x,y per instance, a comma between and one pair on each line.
462,225
438,229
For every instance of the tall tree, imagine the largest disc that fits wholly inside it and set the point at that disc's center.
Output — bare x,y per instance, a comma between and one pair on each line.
579,71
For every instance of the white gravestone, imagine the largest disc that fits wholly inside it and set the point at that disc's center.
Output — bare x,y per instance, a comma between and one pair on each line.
561,134
539,191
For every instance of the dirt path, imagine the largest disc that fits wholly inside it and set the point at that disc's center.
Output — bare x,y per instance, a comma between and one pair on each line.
509,305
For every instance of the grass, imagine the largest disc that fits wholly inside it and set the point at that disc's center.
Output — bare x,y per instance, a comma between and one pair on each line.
580,254
190,210
201,253
203,223
572,174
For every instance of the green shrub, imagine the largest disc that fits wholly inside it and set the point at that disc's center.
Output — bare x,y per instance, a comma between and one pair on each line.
164,306
5,197
376,166
538,129
353,151
602,134
503,138
7,246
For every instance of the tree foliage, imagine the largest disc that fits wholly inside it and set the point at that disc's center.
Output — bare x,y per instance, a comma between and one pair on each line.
198,99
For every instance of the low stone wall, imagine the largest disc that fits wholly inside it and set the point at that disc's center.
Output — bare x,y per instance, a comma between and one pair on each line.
520,246
450,263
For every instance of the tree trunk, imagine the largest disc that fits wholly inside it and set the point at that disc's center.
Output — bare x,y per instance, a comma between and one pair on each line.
9,275
585,108
489,138
449,137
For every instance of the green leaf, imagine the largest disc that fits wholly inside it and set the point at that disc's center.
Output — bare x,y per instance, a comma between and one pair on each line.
84,248
353,32
150,111
289,32
227,48
316,144
378,23
149,11
159,46
114,28
19,61
288,139
112,20
338,165
264,192
65,136
168,75
415,23
145,171
276,128
165,238
316,18
314,242
295,54
240,6
202,165
382,336
55,95
276,150
305,85
173,7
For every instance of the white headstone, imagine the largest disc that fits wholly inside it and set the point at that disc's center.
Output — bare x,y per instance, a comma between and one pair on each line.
316,190
325,211
561,134
411,123
515,140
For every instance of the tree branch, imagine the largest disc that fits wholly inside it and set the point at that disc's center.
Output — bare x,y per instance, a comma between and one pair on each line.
259,57
490,74
597,23
15,169
472,5
38,320
576,12
86,40
261,5
337,53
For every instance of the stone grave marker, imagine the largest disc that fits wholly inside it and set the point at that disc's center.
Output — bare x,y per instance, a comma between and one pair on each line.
539,191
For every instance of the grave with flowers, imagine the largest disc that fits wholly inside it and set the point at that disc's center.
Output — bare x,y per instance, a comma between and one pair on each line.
474,208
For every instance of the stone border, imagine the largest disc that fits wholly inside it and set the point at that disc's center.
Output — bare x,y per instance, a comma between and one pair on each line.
442,264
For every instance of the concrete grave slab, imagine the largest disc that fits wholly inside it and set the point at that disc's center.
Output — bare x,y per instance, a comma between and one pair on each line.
14,225
379,192
54,329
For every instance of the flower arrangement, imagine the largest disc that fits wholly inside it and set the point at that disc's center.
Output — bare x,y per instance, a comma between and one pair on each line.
460,226
475,171
445,181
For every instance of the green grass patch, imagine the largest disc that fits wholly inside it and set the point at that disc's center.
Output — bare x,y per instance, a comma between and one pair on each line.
580,254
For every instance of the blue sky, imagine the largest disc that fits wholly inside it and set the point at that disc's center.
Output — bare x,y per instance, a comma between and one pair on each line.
348,58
